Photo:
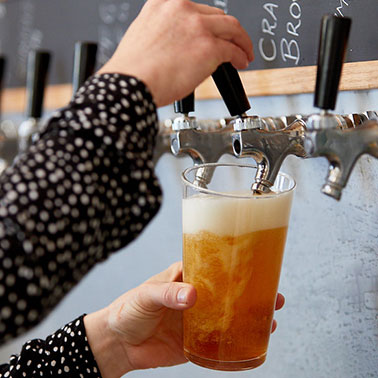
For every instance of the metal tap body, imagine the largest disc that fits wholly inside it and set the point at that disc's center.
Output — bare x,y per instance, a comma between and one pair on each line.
269,149
203,146
342,148
27,132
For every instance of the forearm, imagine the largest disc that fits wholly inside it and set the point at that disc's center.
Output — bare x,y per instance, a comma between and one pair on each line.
85,189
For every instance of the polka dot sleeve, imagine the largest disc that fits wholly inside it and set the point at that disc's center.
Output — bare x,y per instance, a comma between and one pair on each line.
65,353
84,189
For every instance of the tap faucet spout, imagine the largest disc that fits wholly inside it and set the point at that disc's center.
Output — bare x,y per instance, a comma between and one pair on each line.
342,148
203,147
269,149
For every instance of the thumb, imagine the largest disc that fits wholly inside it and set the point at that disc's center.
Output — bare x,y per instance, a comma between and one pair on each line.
155,296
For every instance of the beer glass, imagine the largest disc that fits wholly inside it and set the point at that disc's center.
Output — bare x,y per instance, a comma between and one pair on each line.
233,244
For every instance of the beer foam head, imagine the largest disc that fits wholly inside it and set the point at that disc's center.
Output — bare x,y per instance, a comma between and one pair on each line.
234,215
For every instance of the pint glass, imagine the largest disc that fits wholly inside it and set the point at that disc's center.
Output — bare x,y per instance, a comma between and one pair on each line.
233,244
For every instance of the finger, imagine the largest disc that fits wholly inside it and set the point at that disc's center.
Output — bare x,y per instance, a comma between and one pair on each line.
274,326
280,301
155,296
229,28
229,52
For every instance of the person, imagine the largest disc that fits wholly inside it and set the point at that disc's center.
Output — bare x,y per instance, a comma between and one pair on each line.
86,187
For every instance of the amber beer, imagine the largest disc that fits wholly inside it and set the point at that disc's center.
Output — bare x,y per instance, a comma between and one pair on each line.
232,253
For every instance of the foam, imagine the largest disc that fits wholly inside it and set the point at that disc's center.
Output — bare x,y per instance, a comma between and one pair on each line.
235,216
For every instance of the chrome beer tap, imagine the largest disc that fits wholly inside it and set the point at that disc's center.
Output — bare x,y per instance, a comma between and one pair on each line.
8,131
163,140
205,143
325,137
3,136
267,140
342,148
38,64
203,146
269,149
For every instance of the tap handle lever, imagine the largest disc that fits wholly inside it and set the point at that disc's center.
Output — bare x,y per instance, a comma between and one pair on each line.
231,88
84,63
38,65
334,34
2,70
185,105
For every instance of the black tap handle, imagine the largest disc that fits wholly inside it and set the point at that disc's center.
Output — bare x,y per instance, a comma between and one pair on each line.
333,41
84,63
3,62
36,80
185,105
229,85
2,70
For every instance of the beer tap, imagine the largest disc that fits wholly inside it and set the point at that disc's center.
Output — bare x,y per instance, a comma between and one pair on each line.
187,138
38,64
3,137
8,131
163,140
342,148
208,145
2,70
269,149
84,63
267,140
324,135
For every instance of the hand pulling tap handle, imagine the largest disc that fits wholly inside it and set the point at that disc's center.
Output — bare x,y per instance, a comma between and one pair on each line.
334,34
229,84
185,105
38,65
84,63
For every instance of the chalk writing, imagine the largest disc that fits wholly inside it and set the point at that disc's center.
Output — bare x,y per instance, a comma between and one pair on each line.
268,50
288,45
290,48
223,4
339,9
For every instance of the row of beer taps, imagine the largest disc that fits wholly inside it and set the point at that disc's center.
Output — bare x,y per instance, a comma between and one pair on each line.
16,138
342,139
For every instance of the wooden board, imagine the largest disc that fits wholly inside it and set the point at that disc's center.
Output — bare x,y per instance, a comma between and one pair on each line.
356,76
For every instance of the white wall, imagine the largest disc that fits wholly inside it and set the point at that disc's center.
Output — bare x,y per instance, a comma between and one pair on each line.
329,325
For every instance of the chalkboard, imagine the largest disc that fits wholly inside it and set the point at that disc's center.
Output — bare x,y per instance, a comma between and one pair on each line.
285,32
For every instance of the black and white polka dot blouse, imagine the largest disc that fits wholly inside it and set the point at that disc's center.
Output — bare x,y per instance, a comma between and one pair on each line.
84,189
65,353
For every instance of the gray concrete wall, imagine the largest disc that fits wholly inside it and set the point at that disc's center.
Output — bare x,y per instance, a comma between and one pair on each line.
329,325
